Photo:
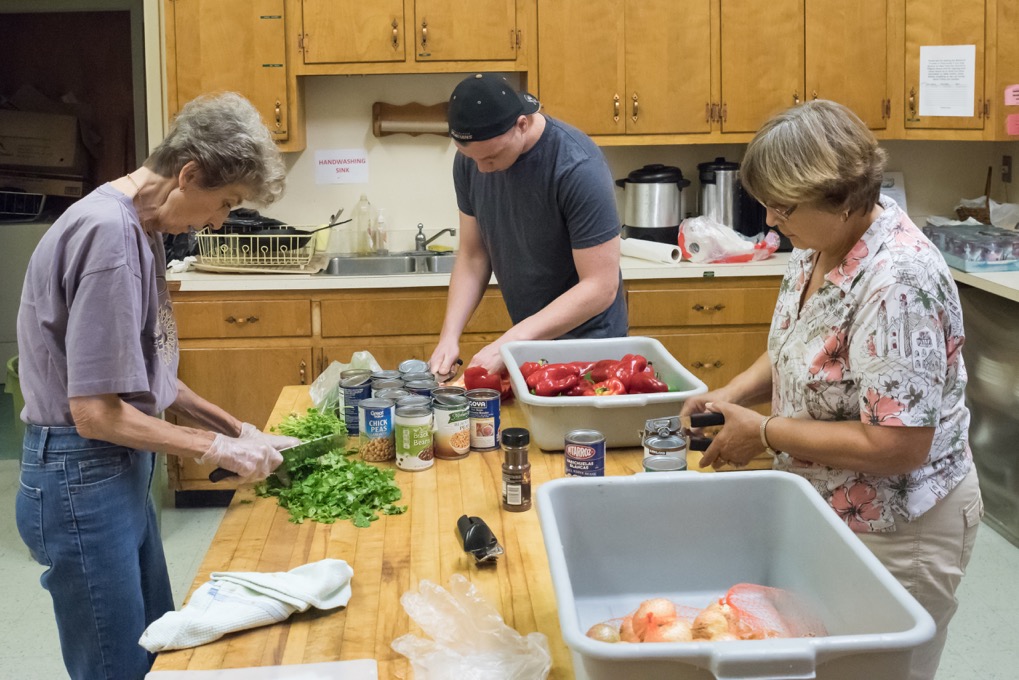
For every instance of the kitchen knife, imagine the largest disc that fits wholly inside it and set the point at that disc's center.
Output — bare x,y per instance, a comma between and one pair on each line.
293,456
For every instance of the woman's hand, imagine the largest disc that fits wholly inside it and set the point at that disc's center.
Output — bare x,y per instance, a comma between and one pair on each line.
699,403
252,459
444,358
739,440
278,442
489,358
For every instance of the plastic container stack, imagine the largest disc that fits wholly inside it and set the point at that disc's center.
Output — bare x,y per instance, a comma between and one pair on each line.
976,248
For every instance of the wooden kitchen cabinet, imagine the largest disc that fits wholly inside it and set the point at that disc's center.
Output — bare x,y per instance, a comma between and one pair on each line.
945,22
237,45
407,36
636,67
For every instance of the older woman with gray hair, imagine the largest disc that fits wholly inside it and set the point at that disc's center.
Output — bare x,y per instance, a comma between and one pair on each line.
864,368
98,358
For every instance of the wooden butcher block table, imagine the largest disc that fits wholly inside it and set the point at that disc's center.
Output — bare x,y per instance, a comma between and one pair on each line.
389,558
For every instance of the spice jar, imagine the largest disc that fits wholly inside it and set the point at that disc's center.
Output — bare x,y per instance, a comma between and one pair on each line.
516,470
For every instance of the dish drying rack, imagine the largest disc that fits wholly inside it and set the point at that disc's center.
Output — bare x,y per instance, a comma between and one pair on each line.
256,252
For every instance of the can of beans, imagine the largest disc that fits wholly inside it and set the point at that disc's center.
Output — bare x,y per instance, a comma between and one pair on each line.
391,393
422,375
664,464
415,400
423,387
379,384
483,406
585,453
375,423
670,446
355,384
448,390
413,431
413,366
452,426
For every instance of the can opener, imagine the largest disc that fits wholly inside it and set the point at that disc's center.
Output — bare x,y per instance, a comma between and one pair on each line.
699,420
477,539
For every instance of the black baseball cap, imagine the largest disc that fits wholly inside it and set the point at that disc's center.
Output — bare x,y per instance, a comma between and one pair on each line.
484,106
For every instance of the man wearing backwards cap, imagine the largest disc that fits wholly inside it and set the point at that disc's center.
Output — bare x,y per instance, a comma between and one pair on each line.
537,208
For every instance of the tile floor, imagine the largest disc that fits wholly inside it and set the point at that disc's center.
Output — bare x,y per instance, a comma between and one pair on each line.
981,642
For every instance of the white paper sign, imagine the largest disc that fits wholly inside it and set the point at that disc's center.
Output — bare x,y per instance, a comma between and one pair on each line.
341,166
947,80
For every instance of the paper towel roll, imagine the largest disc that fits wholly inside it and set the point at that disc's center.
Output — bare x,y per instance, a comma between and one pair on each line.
649,250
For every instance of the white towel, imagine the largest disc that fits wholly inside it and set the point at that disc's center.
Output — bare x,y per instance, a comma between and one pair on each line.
649,250
237,600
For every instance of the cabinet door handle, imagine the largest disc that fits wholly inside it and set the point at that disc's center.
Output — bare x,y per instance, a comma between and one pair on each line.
707,112
912,103
813,93
424,37
279,114
724,113
304,372
701,364
396,34
615,108
796,97
241,321
701,308
636,106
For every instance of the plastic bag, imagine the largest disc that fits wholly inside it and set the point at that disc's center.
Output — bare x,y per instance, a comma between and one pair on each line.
469,641
703,240
325,391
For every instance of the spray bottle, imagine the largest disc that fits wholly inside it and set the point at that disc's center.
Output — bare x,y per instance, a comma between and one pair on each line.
362,225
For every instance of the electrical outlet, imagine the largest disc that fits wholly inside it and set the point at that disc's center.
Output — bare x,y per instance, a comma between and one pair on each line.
1006,169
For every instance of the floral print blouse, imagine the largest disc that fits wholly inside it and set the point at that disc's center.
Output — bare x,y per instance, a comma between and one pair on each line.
880,341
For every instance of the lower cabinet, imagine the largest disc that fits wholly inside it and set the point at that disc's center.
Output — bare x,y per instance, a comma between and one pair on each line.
239,349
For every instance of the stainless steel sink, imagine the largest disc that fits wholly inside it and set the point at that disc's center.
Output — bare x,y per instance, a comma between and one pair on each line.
393,263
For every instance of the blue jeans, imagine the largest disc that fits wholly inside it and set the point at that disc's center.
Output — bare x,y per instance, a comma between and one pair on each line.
84,511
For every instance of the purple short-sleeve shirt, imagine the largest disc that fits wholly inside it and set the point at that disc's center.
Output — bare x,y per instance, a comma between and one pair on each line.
95,316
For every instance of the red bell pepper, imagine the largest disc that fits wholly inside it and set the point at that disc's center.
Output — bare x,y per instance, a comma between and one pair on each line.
479,377
602,370
584,388
529,367
645,382
607,388
582,366
553,380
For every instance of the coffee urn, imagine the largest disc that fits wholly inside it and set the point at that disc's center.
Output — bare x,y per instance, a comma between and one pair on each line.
720,191
653,203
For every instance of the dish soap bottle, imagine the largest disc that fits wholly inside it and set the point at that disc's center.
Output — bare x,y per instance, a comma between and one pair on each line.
380,239
362,225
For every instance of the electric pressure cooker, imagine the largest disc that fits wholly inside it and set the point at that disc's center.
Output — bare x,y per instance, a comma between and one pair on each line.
653,203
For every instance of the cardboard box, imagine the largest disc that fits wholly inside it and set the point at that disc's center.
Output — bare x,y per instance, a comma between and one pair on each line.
41,141
71,187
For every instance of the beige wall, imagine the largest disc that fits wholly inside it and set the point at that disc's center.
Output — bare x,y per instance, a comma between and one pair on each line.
410,176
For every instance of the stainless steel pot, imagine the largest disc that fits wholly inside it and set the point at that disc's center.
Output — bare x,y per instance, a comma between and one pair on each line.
720,191
653,202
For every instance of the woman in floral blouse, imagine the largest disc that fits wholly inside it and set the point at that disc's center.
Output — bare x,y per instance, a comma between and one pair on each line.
864,366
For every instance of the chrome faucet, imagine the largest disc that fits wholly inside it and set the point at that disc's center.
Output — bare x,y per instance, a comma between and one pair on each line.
421,243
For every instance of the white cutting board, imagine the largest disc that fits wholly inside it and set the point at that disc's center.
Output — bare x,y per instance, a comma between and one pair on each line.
360,669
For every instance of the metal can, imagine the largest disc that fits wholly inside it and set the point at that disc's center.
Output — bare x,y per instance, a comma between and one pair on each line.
375,422
413,433
452,426
664,464
663,427
585,453
355,384
665,446
418,375
413,366
379,384
386,375
443,390
423,387
391,393
415,400
483,405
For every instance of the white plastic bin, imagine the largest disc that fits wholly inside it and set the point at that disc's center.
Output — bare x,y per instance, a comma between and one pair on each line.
620,418
615,541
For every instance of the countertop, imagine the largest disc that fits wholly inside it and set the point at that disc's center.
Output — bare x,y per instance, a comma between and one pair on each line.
632,269
391,557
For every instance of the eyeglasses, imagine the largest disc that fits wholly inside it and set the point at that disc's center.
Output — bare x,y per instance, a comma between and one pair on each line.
783,213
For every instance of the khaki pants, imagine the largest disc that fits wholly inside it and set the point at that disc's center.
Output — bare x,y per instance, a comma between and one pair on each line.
928,556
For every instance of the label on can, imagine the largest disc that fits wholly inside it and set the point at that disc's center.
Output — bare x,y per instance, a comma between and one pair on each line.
584,451
375,425
452,426
483,405
355,385
413,433
668,446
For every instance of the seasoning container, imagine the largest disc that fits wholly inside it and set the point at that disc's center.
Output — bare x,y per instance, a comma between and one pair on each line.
452,426
483,404
375,425
413,366
516,470
413,433
423,387
584,451
355,384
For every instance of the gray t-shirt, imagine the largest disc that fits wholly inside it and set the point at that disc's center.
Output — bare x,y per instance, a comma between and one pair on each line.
95,316
557,197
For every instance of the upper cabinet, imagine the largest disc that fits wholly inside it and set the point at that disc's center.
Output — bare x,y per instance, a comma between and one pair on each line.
409,36
635,67
943,23
239,45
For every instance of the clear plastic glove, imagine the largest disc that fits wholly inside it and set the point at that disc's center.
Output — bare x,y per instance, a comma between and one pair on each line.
469,640
252,459
276,441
